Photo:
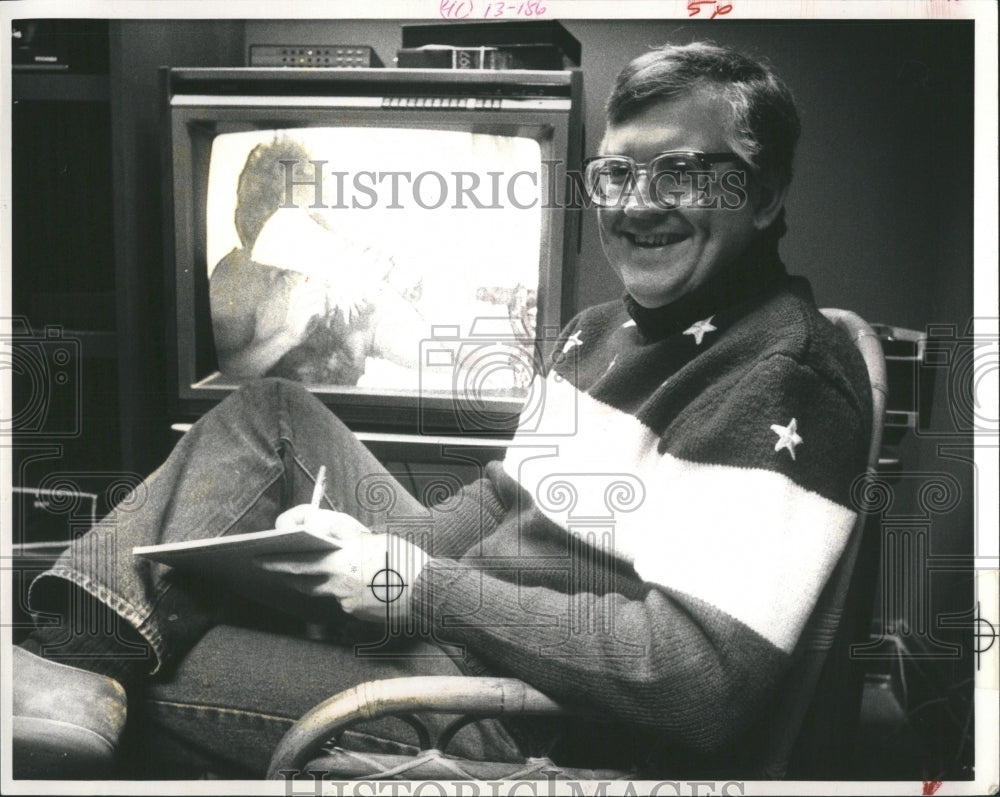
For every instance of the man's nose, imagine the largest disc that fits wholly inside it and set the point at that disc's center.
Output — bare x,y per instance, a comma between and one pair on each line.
637,201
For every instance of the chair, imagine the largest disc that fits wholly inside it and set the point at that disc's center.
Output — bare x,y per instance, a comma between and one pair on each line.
814,726
833,681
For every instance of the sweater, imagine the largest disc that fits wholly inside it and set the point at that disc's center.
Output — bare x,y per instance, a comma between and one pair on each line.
667,514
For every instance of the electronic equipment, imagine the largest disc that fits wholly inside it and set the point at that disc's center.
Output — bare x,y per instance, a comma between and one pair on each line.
910,382
514,56
329,56
408,205
509,34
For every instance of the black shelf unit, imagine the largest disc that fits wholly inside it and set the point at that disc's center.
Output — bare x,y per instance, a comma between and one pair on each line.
65,388
55,86
86,270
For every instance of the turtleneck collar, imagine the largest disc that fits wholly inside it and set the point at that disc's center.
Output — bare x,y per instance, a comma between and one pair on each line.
750,275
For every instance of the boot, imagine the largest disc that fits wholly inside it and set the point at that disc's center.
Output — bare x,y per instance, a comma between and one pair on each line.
67,721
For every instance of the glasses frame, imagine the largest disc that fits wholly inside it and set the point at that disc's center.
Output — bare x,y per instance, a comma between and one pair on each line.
704,159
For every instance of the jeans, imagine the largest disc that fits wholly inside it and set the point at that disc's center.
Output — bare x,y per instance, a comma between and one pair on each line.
222,692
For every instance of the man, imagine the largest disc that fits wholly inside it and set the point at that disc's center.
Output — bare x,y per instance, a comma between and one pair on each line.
716,416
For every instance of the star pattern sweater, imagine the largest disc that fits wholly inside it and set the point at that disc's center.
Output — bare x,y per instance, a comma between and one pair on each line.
668,512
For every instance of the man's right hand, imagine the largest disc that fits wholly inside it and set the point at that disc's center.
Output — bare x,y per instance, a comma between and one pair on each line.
349,572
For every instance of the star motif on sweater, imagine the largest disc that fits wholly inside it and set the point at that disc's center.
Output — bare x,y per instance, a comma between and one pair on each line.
787,436
572,342
699,328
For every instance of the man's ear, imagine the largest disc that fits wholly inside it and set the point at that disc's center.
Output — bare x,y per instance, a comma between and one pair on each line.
769,202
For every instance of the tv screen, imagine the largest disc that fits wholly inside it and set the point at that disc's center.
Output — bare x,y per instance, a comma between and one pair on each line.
401,248
351,243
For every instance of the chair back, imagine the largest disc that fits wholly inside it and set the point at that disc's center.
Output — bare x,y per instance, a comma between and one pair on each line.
868,344
819,720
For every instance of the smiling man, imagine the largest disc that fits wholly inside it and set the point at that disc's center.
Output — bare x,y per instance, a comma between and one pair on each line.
668,232
650,550
694,168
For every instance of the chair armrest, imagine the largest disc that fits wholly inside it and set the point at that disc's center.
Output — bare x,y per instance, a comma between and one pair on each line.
470,697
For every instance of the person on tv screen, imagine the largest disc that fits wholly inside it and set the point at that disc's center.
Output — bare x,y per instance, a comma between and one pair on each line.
712,413
298,299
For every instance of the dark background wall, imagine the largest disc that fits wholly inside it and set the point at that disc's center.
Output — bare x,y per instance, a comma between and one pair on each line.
138,48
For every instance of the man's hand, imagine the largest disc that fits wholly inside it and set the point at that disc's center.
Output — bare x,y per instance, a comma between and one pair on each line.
356,574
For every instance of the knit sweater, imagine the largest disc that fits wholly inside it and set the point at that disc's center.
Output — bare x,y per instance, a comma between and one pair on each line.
668,512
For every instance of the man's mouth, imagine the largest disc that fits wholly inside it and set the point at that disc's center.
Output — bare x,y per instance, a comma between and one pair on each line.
653,240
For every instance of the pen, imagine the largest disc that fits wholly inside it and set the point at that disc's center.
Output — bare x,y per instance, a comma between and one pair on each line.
318,489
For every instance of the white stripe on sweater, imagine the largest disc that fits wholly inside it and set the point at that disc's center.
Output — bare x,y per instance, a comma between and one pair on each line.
749,541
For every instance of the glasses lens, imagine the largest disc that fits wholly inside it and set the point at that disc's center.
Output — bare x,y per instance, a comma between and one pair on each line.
675,162
607,178
672,178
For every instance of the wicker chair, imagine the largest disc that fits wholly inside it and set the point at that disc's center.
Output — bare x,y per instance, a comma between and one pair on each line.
814,726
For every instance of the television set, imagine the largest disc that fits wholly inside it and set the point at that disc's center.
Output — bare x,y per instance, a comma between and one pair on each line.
400,241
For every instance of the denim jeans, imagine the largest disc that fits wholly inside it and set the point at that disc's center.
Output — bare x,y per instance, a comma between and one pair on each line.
221,691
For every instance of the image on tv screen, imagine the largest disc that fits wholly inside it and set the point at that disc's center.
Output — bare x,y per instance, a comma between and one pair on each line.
333,252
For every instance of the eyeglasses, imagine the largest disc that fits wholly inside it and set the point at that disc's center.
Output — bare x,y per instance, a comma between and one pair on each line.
675,178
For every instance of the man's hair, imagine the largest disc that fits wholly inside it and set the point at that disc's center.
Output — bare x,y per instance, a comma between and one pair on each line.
261,187
765,124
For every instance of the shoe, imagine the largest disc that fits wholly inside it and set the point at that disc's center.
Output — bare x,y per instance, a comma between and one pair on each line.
67,721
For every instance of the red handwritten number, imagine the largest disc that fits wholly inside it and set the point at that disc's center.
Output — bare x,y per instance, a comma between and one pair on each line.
455,9
931,786
694,8
529,8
